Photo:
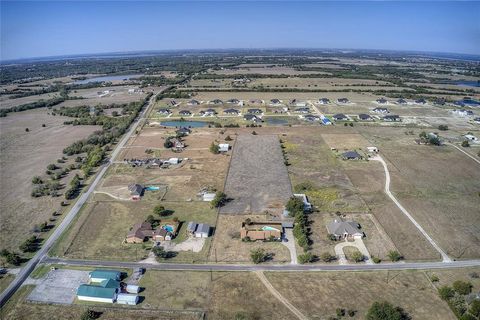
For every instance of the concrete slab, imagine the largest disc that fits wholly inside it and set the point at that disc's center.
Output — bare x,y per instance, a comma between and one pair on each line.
59,286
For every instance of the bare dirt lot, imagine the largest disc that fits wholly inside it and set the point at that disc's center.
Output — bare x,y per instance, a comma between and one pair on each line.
438,185
8,103
257,179
24,155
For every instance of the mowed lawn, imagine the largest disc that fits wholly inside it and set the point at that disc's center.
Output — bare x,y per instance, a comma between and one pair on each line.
103,226
318,295
439,186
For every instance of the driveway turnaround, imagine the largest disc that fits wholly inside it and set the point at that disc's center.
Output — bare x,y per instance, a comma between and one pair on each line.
445,257
58,286
357,243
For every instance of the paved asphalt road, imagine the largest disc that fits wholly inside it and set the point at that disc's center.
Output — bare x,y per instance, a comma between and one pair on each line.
28,268
266,267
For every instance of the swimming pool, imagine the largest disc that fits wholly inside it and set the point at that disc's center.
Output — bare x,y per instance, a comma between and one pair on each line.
152,188
168,228
267,228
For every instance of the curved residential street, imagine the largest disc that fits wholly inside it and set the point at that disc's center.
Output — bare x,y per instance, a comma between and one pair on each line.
445,257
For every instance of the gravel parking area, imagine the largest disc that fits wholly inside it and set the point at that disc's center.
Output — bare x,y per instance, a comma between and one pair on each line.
59,286
257,179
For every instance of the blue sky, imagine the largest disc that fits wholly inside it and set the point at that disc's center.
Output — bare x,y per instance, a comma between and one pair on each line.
35,29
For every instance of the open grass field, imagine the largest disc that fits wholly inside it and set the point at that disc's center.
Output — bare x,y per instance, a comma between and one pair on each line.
318,295
438,185
227,247
24,155
103,225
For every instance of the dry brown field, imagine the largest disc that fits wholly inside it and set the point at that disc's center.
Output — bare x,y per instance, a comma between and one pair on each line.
24,155
410,290
8,103
438,185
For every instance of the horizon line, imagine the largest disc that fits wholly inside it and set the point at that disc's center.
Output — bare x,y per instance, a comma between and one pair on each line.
71,56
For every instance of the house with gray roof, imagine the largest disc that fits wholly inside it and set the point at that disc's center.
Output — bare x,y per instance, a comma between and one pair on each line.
339,117
351,155
231,111
136,191
343,100
198,230
341,229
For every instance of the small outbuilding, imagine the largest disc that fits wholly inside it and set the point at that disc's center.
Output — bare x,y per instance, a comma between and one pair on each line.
125,298
223,147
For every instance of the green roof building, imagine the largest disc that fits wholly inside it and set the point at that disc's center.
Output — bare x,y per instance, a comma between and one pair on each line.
102,275
88,292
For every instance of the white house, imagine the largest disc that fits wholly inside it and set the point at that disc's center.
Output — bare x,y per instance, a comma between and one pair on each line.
173,161
372,149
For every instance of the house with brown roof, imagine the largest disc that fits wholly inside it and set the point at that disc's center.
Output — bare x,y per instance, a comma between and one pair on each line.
139,233
254,231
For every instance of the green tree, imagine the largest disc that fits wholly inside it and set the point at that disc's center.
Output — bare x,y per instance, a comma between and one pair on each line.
306,258
443,127
219,200
159,210
462,287
168,143
29,245
465,144
51,166
151,219
394,256
294,206
258,255
327,257
467,316
475,308
446,293
357,256
214,148
37,180
384,311
161,254
227,138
